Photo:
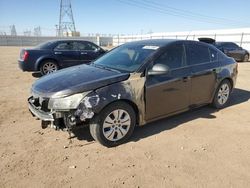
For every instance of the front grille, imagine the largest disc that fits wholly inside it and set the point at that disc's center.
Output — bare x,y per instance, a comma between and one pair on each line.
40,102
35,101
44,105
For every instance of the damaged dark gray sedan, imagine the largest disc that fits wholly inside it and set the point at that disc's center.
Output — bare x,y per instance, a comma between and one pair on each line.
136,83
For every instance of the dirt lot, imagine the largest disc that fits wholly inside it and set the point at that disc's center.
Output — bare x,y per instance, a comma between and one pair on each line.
202,148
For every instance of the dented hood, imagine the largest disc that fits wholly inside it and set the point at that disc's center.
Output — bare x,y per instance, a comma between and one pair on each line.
75,80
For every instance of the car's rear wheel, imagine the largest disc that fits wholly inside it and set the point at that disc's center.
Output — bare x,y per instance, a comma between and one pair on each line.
114,125
48,67
246,58
222,94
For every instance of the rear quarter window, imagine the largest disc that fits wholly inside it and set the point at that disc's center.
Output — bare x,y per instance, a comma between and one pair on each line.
229,45
221,56
44,45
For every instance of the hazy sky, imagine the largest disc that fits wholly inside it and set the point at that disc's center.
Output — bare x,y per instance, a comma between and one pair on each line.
127,16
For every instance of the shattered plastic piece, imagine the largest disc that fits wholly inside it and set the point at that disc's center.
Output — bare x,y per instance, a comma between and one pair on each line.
84,110
91,101
86,115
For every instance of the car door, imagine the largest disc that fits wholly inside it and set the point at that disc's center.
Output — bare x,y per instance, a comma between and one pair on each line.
88,52
203,61
169,93
67,53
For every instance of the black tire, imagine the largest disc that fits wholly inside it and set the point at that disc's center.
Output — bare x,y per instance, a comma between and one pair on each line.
221,96
48,67
97,128
245,58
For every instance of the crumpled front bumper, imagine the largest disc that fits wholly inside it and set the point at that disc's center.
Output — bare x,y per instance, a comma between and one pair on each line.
38,107
36,111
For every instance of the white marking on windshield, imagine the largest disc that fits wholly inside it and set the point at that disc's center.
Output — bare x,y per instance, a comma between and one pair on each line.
150,47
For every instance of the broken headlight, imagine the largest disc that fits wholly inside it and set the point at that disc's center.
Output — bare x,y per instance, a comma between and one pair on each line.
66,103
85,108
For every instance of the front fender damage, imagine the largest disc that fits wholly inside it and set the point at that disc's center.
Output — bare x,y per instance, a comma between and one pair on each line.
131,90
85,109
82,114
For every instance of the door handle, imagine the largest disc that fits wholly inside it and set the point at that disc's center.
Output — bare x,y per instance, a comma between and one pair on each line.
84,53
58,53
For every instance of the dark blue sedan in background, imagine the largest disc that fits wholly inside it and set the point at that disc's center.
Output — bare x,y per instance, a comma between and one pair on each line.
53,55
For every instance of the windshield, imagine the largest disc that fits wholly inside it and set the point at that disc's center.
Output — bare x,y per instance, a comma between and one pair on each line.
126,58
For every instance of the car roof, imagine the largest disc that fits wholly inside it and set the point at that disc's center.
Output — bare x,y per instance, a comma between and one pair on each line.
67,40
162,42
157,42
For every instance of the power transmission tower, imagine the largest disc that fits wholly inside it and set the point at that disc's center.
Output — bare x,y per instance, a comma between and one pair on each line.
37,31
13,30
66,20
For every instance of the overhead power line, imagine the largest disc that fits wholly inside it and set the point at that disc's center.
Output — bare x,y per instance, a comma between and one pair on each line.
191,13
167,10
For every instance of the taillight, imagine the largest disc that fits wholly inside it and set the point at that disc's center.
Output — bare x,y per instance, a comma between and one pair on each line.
24,55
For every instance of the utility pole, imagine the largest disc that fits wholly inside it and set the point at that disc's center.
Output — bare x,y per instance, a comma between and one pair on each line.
66,19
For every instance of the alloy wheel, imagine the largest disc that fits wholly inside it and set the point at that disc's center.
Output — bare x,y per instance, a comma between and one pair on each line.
223,94
116,125
49,68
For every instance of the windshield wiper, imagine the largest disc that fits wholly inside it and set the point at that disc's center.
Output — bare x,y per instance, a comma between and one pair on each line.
106,68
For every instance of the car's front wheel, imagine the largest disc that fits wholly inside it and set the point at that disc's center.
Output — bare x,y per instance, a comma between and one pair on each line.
222,94
48,67
114,125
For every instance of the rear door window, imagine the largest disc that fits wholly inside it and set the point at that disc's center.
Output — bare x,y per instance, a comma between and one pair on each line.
197,54
81,46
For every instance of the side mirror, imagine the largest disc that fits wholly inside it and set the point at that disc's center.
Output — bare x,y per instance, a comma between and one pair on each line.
158,69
